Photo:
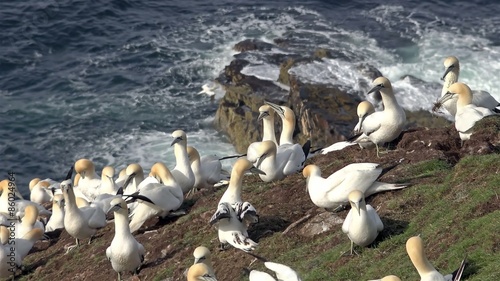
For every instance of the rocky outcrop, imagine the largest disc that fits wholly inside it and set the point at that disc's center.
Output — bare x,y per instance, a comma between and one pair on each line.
324,113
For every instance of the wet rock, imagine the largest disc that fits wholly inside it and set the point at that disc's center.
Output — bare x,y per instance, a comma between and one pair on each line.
251,45
325,114
320,223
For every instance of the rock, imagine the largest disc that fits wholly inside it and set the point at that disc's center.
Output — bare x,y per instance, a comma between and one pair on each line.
325,114
251,45
320,223
238,109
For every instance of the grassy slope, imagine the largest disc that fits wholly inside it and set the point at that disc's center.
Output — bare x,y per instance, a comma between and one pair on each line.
455,209
456,212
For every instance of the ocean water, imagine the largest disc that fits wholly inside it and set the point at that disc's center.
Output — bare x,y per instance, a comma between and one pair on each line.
111,80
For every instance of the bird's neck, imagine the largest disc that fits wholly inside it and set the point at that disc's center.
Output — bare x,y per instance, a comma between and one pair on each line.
389,100
121,224
181,158
286,136
450,78
268,130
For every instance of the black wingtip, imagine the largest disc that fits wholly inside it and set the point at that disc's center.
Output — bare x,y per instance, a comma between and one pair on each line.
387,169
232,156
119,191
306,148
136,196
496,110
457,274
70,173
354,137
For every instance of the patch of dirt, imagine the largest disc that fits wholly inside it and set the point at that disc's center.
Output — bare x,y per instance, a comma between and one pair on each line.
168,242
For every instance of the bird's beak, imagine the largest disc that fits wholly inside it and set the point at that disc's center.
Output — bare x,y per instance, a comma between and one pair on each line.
176,140
445,98
374,89
61,204
263,115
277,108
450,68
254,170
128,180
356,206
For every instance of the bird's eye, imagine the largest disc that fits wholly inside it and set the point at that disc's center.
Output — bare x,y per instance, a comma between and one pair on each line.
381,85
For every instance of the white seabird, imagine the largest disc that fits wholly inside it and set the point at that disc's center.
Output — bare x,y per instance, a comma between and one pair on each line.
22,248
202,255
364,109
160,195
80,223
232,228
266,114
362,224
383,126
124,253
282,272
40,191
89,181
182,172
275,165
233,191
427,272
135,171
56,221
207,170
200,272
108,185
298,154
332,192
467,114
7,187
450,76
28,222
388,278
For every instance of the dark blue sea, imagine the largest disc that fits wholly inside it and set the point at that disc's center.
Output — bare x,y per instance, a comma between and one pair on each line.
110,80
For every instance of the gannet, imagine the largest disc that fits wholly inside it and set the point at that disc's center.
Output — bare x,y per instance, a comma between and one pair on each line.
40,191
108,185
275,165
207,170
7,187
467,114
298,153
89,181
125,253
282,272
137,172
266,114
450,76
200,272
233,191
182,173
80,223
427,272
162,190
332,192
364,109
232,228
386,125
56,221
22,247
362,224
388,278
202,255
28,222
122,177
256,275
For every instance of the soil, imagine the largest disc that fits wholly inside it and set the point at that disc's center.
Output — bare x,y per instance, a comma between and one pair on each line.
279,204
